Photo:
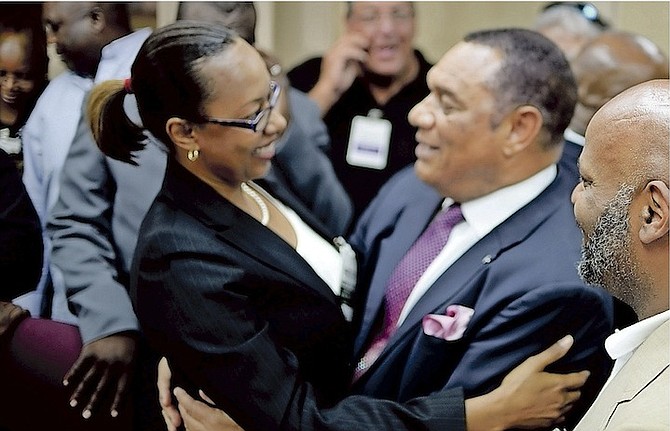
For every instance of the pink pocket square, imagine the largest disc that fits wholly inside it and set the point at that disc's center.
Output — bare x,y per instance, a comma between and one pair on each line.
449,326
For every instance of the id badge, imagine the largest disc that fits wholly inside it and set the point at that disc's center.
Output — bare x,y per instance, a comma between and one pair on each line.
369,142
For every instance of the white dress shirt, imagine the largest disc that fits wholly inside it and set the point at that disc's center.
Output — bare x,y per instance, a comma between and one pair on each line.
481,216
622,344
572,136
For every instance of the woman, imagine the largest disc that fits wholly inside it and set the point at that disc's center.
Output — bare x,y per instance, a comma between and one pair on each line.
241,293
23,75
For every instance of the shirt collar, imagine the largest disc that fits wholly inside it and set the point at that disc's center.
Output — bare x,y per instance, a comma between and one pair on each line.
572,136
628,339
487,212
117,53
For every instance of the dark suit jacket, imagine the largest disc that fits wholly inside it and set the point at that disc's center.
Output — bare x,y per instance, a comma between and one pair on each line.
241,315
569,158
20,234
520,280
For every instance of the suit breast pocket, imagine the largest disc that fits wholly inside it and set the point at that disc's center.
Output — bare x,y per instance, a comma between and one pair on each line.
429,365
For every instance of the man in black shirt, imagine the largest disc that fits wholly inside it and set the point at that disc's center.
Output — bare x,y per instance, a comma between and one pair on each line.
372,71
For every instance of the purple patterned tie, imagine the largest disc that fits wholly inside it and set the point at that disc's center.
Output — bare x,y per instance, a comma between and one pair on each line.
405,276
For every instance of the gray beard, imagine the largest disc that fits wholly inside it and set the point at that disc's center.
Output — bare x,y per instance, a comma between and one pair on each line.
607,258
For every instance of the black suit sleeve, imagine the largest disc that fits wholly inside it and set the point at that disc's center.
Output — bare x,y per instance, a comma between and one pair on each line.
194,306
21,245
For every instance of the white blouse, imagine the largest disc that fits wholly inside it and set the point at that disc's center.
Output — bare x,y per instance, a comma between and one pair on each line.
321,255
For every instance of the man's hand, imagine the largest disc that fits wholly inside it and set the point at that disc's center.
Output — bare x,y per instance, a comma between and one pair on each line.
102,371
196,415
10,316
341,64
199,416
528,397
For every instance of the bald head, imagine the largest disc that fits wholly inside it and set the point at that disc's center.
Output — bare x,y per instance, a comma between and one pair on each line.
635,127
622,204
609,64
81,29
239,16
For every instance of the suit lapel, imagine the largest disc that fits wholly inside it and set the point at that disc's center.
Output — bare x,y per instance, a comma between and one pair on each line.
469,266
240,230
409,226
278,188
649,360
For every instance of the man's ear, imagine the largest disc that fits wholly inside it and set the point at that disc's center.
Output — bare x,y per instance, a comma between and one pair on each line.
98,19
525,123
181,133
655,212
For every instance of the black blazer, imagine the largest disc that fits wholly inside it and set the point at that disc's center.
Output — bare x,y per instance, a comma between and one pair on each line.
241,315
21,245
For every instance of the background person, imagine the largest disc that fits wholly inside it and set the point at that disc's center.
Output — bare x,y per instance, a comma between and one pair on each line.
570,25
372,71
93,225
23,73
606,66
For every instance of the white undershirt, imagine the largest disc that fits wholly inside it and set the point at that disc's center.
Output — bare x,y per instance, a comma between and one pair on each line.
481,216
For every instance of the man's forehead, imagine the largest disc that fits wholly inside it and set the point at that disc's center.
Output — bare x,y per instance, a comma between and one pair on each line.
64,9
462,59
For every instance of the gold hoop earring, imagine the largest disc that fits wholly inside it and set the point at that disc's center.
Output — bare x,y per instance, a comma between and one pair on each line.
193,155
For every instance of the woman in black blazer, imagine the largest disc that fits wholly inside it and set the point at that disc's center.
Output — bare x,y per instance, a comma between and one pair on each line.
244,296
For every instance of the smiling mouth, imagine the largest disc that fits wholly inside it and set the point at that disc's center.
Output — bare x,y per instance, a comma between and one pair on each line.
424,150
9,98
266,151
384,50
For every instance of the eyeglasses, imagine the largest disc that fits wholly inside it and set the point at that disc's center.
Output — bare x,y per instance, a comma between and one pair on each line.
588,11
397,16
260,120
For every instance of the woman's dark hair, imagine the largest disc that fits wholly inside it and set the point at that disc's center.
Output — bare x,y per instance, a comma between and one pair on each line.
166,81
27,18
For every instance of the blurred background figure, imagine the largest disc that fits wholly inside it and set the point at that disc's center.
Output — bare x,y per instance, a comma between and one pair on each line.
609,64
300,172
365,85
570,25
606,66
23,72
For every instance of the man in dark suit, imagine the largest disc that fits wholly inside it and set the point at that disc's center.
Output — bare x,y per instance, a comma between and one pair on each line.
489,138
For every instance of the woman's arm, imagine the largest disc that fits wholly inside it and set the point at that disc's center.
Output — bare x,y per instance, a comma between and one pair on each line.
528,397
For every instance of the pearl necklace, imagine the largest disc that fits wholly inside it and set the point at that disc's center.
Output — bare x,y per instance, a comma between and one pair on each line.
265,214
